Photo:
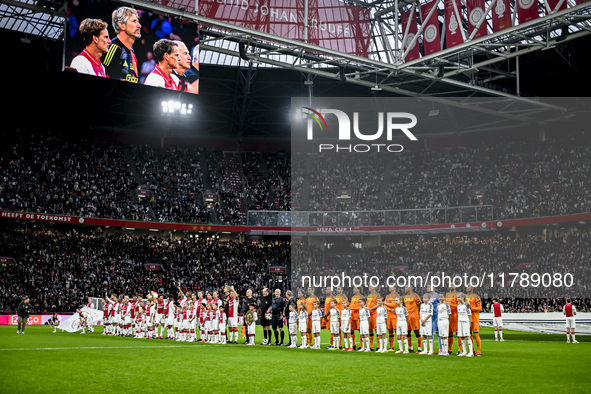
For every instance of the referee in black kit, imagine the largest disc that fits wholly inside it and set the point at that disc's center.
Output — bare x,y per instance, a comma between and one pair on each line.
277,308
266,303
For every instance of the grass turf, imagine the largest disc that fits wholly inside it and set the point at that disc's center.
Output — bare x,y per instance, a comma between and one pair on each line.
41,361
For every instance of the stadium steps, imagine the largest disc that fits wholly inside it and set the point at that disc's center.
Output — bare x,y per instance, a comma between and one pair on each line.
385,182
265,169
128,156
305,199
205,171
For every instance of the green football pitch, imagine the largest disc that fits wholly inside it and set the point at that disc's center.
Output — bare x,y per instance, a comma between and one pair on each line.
41,361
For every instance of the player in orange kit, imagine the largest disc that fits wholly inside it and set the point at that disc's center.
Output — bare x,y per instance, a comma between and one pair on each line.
309,308
412,302
476,306
452,300
355,307
390,304
372,305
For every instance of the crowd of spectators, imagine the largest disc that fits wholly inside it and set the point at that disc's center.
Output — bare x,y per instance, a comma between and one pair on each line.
48,174
226,180
435,178
175,180
332,174
58,269
478,255
542,179
255,182
279,168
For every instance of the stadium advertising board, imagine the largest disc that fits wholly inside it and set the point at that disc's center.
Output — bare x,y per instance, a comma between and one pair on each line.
331,23
110,40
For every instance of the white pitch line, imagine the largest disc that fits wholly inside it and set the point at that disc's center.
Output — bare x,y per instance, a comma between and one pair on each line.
98,347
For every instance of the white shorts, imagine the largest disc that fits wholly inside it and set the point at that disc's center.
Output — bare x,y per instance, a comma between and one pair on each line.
160,319
303,325
252,329
463,329
208,325
315,327
443,325
334,328
150,321
170,322
364,328
381,328
222,327
215,325
345,326
570,322
293,329
232,322
401,328
426,328
498,322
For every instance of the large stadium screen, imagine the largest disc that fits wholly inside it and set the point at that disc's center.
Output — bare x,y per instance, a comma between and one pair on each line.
111,40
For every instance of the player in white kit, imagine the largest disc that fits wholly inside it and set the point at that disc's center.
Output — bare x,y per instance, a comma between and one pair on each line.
316,318
222,326
293,326
233,303
426,330
401,326
381,326
202,331
570,312
252,327
215,322
464,318
443,314
160,321
335,329
363,326
346,325
55,321
303,325
497,310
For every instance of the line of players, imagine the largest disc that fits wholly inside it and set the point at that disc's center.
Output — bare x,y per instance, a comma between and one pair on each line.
182,319
393,317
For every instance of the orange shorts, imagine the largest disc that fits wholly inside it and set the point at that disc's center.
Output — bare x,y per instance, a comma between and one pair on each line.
372,321
391,322
310,324
354,325
453,323
475,325
413,323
